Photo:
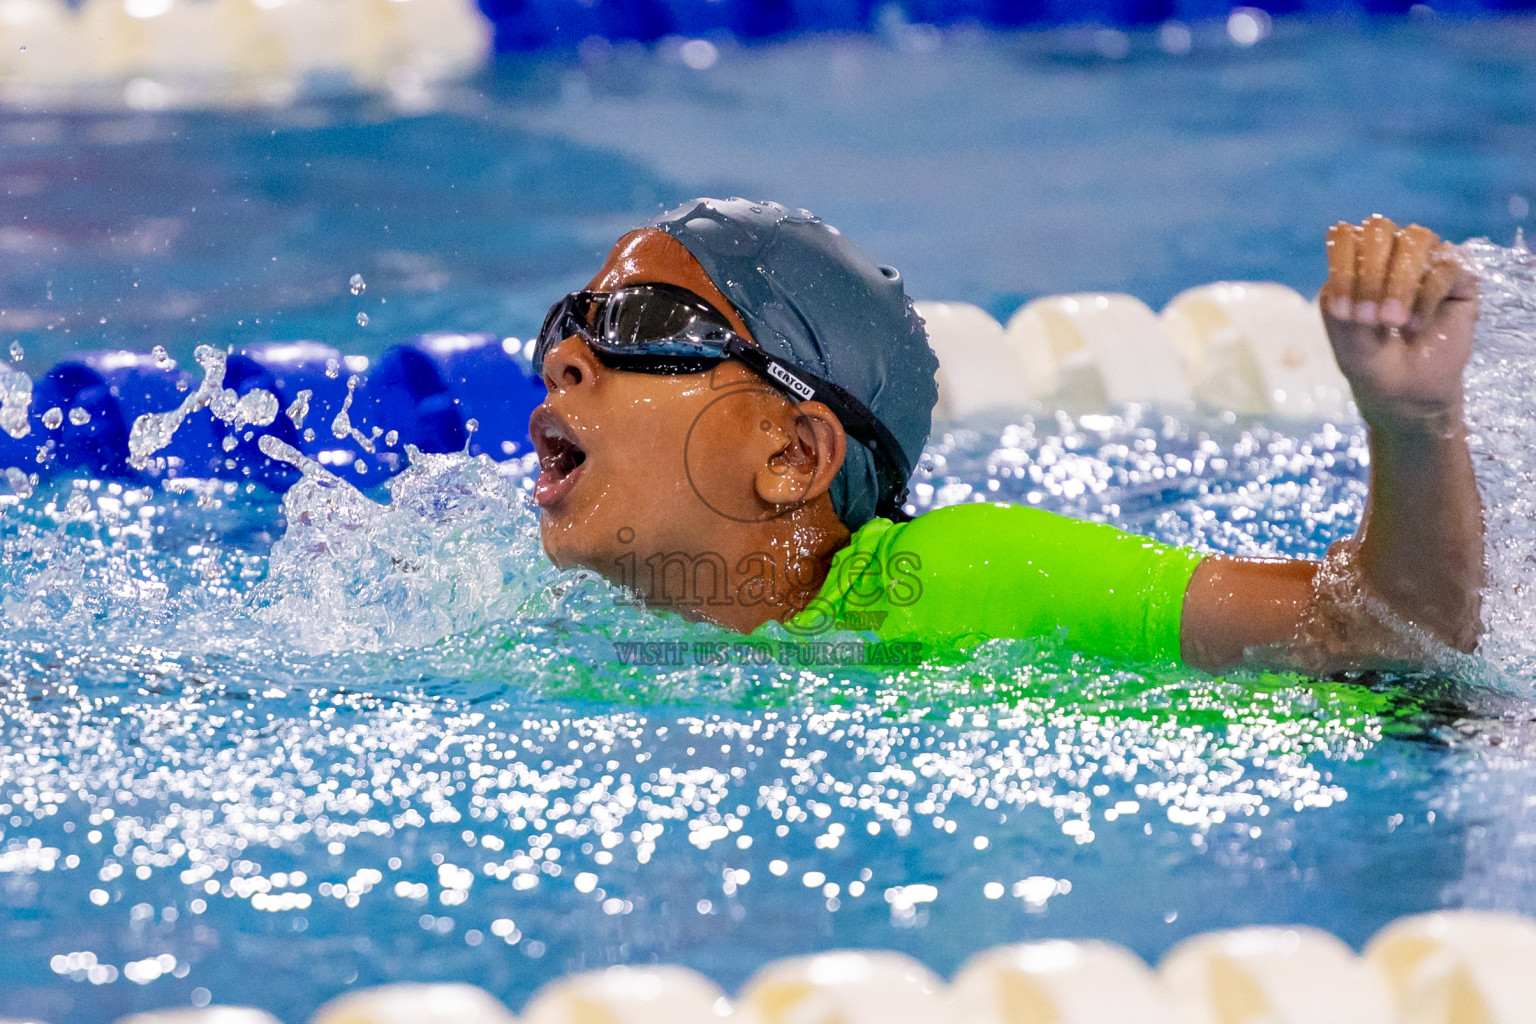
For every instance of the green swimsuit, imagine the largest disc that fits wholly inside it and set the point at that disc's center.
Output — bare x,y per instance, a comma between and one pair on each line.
974,572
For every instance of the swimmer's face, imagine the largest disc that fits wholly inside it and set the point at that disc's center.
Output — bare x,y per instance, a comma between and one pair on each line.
634,465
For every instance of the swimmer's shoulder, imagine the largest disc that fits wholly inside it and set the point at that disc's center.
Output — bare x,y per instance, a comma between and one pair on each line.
984,515
956,550
983,531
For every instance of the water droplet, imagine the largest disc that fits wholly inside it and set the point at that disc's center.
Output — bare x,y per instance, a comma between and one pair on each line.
341,426
300,407
230,442
332,369
153,430
15,401
256,407
79,416
17,352
392,438
357,284
159,354
472,425
362,319
360,466
53,418
309,433
20,483
23,47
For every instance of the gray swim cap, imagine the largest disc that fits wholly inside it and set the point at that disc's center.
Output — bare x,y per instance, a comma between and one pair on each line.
810,296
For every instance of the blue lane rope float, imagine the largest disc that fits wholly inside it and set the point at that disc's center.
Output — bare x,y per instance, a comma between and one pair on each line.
440,393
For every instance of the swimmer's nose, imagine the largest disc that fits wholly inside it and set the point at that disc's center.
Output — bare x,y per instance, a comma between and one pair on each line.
569,364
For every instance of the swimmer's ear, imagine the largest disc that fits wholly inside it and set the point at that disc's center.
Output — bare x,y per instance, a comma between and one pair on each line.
809,446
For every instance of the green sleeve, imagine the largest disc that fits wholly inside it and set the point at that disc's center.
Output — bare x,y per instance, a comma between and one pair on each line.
973,572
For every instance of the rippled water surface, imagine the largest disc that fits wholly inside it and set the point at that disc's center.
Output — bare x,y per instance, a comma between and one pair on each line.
355,738
359,741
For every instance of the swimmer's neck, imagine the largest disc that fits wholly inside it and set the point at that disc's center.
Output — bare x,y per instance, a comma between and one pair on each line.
772,569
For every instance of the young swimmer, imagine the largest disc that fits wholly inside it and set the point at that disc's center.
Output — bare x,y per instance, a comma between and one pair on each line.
738,397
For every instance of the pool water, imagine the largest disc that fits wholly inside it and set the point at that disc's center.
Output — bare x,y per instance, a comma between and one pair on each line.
354,738
991,168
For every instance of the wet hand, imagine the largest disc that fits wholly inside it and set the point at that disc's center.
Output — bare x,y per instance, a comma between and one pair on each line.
1400,309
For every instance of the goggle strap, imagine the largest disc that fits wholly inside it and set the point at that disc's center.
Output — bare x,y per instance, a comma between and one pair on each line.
860,423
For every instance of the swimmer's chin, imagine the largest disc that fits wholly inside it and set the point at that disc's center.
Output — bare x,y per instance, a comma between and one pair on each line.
558,550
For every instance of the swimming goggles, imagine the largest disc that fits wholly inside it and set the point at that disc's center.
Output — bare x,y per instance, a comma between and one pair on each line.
664,329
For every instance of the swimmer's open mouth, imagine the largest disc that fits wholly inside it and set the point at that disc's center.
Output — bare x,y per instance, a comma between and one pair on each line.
560,457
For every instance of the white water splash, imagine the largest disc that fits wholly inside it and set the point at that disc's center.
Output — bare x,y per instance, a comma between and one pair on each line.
341,426
281,451
15,402
1499,412
154,430
454,548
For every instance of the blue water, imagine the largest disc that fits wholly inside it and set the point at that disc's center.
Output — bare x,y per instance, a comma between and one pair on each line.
992,169
344,736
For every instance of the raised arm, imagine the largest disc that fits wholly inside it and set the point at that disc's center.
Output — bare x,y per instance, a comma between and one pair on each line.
1400,310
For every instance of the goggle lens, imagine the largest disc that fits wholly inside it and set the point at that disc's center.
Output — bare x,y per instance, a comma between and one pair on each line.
635,324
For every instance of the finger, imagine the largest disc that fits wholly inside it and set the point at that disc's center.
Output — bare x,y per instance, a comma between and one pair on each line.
1410,257
1444,274
1338,292
1371,265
